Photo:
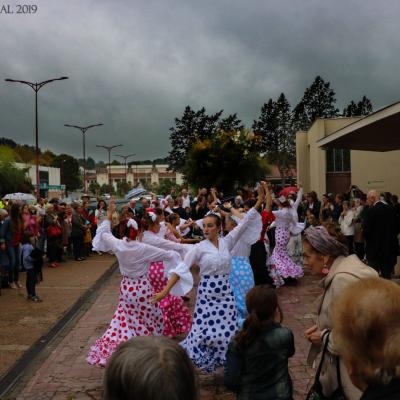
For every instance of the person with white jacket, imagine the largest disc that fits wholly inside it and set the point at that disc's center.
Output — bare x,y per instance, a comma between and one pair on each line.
346,222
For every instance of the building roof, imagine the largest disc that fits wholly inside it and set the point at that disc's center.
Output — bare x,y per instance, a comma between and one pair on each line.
275,174
379,131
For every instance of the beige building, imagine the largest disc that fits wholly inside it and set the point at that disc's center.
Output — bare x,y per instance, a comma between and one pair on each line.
145,174
336,153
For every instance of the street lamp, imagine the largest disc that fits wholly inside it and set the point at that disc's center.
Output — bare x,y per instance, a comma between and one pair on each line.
36,87
109,148
126,168
83,129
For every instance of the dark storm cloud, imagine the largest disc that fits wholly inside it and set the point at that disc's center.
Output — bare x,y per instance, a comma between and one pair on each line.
135,65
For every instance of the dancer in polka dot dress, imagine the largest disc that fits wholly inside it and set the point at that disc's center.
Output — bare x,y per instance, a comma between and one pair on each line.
177,317
215,316
241,277
282,266
135,314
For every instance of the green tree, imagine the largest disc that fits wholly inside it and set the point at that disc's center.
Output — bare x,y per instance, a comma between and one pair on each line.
69,171
105,188
123,188
25,153
90,163
363,107
318,101
12,179
226,160
94,188
276,134
47,158
192,126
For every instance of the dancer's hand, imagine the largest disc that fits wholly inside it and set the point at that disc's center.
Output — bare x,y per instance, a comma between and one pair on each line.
158,297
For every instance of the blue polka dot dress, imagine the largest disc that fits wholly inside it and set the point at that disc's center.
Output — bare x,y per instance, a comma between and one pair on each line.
214,323
241,280
215,316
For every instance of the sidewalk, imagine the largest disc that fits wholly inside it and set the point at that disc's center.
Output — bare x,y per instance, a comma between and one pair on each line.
24,322
65,375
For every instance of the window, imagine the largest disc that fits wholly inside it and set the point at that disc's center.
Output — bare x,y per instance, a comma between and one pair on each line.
338,160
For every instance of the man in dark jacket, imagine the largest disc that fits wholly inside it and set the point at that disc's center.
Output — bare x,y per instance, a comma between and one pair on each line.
380,235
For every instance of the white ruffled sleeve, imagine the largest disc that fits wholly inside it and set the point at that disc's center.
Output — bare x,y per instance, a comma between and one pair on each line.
104,240
185,283
248,230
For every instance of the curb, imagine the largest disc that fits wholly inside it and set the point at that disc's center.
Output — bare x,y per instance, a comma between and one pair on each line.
12,376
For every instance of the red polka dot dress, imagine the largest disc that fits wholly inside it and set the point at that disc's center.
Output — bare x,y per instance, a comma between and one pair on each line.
176,316
135,315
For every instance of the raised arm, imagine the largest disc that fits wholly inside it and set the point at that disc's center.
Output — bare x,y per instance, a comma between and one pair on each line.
250,226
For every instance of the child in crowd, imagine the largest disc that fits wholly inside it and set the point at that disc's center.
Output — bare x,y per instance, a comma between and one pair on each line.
150,368
28,263
257,357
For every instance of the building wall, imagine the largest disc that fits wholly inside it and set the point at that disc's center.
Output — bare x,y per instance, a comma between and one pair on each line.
369,170
376,170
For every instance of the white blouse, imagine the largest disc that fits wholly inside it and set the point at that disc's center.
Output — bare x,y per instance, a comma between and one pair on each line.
217,261
156,241
243,247
284,218
134,257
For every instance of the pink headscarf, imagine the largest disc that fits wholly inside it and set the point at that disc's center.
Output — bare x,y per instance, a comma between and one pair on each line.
320,239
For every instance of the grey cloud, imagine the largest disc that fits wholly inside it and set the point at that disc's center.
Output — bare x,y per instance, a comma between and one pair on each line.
135,65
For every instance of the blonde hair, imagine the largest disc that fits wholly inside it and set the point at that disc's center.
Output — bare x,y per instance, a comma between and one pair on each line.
150,368
367,329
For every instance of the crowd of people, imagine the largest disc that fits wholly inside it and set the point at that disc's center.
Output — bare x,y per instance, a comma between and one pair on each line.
243,247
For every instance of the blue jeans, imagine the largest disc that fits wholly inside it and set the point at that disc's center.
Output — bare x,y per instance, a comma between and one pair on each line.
14,257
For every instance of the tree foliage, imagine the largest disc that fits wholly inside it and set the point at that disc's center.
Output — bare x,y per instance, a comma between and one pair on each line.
13,179
69,171
318,101
363,107
196,126
226,160
276,134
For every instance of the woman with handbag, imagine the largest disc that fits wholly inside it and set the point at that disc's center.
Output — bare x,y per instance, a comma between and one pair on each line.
78,231
325,252
54,236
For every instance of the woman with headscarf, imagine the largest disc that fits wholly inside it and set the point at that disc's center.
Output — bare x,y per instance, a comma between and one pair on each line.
325,252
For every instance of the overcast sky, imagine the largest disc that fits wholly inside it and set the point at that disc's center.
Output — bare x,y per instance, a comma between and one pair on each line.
135,64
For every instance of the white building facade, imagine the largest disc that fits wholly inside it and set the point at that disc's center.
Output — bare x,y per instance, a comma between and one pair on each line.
134,174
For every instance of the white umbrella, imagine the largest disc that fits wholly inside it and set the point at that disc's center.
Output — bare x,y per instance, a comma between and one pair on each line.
19,196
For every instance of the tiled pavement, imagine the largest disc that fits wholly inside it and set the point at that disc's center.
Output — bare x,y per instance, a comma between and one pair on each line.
65,375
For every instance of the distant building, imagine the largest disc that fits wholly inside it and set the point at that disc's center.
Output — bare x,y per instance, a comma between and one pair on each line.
50,181
145,174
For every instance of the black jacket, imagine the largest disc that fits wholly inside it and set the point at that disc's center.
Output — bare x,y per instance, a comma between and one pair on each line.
260,372
379,228
378,392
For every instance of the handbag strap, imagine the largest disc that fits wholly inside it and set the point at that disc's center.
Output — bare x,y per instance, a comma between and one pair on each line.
325,349
338,376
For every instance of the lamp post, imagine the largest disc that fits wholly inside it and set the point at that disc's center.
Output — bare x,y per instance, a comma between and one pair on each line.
109,148
36,87
83,129
126,168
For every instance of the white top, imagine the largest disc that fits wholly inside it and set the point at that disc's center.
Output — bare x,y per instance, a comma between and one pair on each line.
217,261
134,257
163,230
284,218
156,241
185,201
346,223
186,230
243,247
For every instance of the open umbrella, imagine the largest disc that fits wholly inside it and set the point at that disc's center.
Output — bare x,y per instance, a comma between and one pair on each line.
287,190
19,196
